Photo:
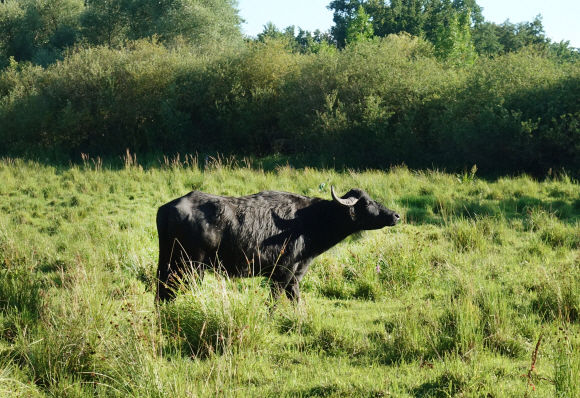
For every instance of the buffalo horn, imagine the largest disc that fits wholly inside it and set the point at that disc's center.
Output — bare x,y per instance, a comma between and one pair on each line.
343,202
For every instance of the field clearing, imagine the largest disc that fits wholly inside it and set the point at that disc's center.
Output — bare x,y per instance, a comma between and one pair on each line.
479,278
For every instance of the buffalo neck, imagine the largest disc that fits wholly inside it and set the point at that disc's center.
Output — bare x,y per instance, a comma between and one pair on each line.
327,224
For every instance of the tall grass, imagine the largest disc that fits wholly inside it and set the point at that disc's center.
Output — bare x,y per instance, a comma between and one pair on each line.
448,303
218,315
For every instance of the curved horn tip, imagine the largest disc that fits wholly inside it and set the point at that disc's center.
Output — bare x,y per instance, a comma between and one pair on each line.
333,193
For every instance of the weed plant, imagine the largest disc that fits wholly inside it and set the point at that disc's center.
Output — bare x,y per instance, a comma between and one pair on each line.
451,302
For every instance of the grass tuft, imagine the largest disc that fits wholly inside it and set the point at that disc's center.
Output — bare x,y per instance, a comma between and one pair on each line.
218,315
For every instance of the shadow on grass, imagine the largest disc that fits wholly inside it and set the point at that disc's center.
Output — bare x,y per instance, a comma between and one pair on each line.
333,391
445,385
428,209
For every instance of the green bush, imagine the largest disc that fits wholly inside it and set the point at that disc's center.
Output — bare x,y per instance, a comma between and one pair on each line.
41,32
374,104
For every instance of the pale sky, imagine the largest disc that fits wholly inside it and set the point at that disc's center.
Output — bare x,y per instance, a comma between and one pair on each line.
561,18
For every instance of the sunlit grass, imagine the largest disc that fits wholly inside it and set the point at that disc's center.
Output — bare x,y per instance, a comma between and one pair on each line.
451,302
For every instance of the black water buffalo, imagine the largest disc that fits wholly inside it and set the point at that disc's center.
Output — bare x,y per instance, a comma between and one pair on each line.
273,234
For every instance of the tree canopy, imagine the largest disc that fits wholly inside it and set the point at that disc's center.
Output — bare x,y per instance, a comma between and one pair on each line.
453,26
38,31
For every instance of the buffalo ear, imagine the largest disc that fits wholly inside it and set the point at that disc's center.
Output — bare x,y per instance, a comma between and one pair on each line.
352,213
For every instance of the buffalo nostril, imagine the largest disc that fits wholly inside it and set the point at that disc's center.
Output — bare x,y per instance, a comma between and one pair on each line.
397,216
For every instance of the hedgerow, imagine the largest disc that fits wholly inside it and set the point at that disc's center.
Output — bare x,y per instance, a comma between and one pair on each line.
374,104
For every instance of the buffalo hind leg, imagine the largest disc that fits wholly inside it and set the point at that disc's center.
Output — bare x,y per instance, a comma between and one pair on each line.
170,276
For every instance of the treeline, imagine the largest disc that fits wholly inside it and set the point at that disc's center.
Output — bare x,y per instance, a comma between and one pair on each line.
376,103
43,31
151,85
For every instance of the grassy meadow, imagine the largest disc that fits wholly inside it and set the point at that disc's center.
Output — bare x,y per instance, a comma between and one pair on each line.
475,294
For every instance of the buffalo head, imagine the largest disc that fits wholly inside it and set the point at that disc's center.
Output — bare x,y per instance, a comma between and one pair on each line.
365,212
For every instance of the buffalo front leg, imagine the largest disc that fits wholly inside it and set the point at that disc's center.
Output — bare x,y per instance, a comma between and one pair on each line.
279,283
292,288
293,292
276,289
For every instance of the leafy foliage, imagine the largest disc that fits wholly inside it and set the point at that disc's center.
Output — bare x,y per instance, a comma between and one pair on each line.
376,103
39,31
453,42
415,17
359,28
452,26
495,39
304,42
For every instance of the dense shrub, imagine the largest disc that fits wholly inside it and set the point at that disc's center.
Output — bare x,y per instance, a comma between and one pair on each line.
41,31
376,103
515,112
